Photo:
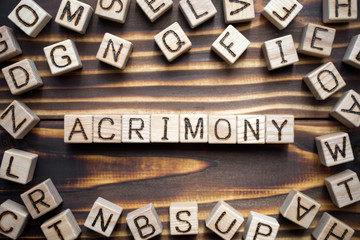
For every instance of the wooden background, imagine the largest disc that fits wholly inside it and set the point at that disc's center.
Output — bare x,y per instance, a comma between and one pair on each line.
255,177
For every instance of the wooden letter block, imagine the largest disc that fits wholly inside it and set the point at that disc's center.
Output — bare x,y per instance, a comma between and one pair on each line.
13,219
334,149
114,51
230,45
63,57
113,10
18,120
280,52
280,129
251,129
107,129
173,41
197,12
193,128
74,15
18,166
41,199
347,109
136,128
22,77
239,11
184,218
78,129
299,208
317,40
29,17
352,55
259,226
63,226
9,46
281,12
344,188
144,223
224,220
103,217
339,11
222,129
154,8
164,128
332,228
324,81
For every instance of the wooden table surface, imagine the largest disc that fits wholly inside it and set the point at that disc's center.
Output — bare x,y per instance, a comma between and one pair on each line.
249,177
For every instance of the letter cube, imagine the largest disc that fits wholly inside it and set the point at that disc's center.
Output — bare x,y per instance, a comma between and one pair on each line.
222,129
339,11
352,55
13,219
154,9
251,129
332,228
113,10
259,226
193,128
164,128
197,12
9,46
238,11
347,109
136,128
107,129
184,218
279,129
78,129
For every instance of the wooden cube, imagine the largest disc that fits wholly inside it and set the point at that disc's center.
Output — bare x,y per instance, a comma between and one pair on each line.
74,15
317,40
193,128
339,11
164,128
155,9
280,129
334,149
107,129
173,41
238,11
281,12
9,46
41,199
103,217
259,226
197,12
136,128
332,228
13,219
299,208
224,220
347,109
78,128
29,17
344,188
18,166
251,129
144,223
22,77
114,51
18,120
324,81
280,52
230,45
184,218
222,129
352,55
113,10
62,226
63,57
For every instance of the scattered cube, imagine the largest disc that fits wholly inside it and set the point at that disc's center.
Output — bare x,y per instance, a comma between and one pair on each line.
344,188
107,129
63,57
78,129
103,217
9,46
222,129
173,41
280,129
22,77
251,129
74,15
164,128
184,218
347,109
334,149
114,51
238,11
113,10
335,11
197,12
281,12
13,220
155,9
136,128
193,128
62,226
29,17
324,81
352,55
280,52
332,228
259,226
18,166
18,120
